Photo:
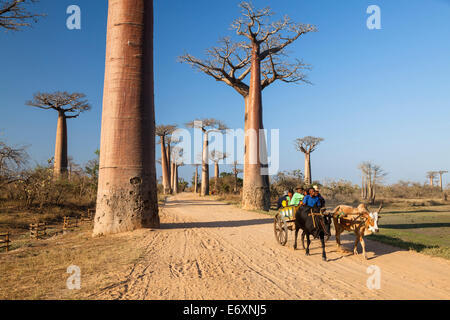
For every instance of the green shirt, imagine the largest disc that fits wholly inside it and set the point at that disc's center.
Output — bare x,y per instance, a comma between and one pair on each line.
296,199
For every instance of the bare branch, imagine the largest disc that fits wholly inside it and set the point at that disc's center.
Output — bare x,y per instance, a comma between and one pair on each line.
231,61
14,14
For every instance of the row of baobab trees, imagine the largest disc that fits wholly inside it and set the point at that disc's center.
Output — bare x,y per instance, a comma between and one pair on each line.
127,190
171,156
432,175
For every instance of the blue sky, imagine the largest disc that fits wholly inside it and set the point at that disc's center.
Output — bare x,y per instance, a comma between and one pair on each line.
379,95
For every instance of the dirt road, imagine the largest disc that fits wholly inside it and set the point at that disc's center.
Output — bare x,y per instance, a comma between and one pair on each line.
210,250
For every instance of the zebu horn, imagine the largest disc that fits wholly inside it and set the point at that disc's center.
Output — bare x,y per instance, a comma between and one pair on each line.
381,207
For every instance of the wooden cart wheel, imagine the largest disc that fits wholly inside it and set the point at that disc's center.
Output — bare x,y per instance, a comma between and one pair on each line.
280,230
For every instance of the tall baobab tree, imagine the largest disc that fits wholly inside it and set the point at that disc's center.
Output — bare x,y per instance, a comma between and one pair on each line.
431,175
163,132
441,173
372,175
127,189
68,106
207,126
15,15
171,143
216,157
177,161
236,172
196,178
307,145
262,56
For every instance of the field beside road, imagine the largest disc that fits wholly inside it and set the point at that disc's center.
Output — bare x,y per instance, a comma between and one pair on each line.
423,229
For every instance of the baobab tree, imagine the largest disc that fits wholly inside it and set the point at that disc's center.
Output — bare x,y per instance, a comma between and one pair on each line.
15,15
262,55
127,189
163,132
207,126
441,173
177,161
196,178
307,145
431,175
68,106
216,157
372,175
236,172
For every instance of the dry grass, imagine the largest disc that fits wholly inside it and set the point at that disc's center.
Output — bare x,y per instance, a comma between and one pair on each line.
38,271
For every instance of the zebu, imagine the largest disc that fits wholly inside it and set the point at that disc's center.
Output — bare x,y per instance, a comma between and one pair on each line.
313,221
359,220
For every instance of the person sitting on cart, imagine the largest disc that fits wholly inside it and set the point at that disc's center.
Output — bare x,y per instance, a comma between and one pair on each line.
312,199
297,198
288,198
282,201
317,194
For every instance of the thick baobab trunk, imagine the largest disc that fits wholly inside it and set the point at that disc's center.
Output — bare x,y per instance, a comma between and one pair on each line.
196,180
216,176
308,178
165,167
205,166
256,193
431,181
60,161
127,191
440,182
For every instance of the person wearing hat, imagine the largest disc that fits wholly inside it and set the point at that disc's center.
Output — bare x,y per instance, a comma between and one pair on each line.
297,198
317,194
283,200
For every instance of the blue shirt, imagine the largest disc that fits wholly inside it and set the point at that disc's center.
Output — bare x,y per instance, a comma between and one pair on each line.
311,201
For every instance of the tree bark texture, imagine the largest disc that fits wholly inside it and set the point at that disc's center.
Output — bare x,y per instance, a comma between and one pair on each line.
127,190
256,192
60,160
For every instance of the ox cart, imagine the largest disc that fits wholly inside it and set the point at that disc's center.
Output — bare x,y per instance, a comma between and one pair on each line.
284,222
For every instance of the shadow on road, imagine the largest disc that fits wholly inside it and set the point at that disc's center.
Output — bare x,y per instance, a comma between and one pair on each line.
183,203
216,224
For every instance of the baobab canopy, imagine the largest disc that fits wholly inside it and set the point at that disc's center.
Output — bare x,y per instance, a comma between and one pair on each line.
261,53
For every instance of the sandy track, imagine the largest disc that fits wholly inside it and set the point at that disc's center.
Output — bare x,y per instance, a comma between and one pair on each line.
210,250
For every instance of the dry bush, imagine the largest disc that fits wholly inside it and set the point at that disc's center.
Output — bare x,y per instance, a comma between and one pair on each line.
341,191
410,190
284,181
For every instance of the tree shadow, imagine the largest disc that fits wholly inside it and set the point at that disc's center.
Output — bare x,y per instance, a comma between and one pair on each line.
413,211
415,225
183,203
397,244
216,224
